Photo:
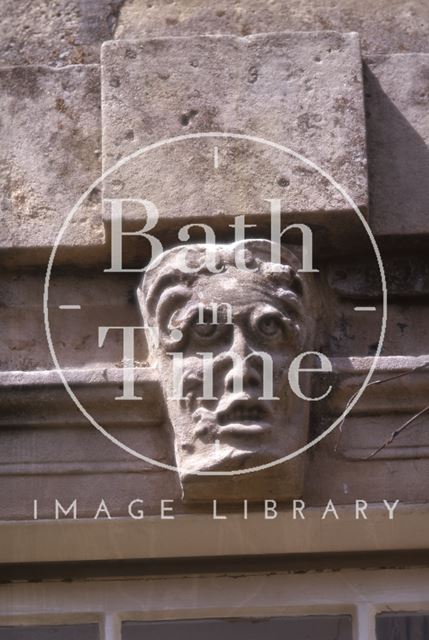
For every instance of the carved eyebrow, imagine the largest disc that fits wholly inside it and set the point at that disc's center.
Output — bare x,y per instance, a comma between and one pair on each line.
291,301
191,311
167,302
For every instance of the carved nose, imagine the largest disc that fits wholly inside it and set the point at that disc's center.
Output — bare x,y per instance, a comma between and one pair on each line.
239,344
242,366
245,371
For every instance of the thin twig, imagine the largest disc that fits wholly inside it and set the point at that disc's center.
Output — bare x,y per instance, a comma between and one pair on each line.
400,375
396,433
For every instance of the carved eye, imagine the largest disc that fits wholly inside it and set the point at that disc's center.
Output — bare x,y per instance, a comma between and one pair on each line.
270,325
204,330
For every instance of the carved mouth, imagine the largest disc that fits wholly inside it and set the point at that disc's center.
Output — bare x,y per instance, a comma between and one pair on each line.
245,413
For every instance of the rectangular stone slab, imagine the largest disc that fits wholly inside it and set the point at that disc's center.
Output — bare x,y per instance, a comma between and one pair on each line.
298,90
50,155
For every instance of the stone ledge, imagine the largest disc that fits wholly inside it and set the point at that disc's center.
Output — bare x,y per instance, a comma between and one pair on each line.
398,391
45,401
193,536
46,387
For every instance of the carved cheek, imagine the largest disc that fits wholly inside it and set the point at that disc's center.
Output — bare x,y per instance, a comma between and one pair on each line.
281,363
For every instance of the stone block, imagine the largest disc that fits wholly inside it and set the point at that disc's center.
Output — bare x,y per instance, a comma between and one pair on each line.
301,90
56,32
50,127
397,103
385,26
407,276
101,299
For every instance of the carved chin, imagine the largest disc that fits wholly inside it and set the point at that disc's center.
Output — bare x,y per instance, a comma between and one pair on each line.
226,457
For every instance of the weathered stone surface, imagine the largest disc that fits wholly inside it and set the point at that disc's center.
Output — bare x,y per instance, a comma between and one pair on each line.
60,32
50,155
365,456
385,26
287,88
46,404
302,90
103,300
357,283
397,103
55,32
407,276
357,334
62,458
108,299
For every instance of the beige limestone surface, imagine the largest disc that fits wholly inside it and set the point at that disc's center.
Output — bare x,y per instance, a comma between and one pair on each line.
385,25
55,32
50,155
299,90
62,32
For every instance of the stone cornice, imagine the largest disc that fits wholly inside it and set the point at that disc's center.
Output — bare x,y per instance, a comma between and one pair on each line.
192,536
42,391
398,390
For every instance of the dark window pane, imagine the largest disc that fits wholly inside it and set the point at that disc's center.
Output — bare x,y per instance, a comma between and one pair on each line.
402,626
57,632
303,628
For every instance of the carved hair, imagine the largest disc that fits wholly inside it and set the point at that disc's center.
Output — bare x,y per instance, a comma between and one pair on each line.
167,284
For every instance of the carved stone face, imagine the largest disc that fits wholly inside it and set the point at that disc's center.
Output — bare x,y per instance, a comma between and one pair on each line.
234,409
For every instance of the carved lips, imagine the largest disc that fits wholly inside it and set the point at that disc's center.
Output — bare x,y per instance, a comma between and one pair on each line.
244,416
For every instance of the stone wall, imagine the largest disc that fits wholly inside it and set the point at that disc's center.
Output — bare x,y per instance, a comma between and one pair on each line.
355,103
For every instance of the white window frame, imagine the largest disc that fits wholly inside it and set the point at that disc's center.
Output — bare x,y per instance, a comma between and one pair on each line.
359,593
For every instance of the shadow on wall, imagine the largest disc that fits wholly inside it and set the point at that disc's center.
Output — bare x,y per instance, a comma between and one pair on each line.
398,165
